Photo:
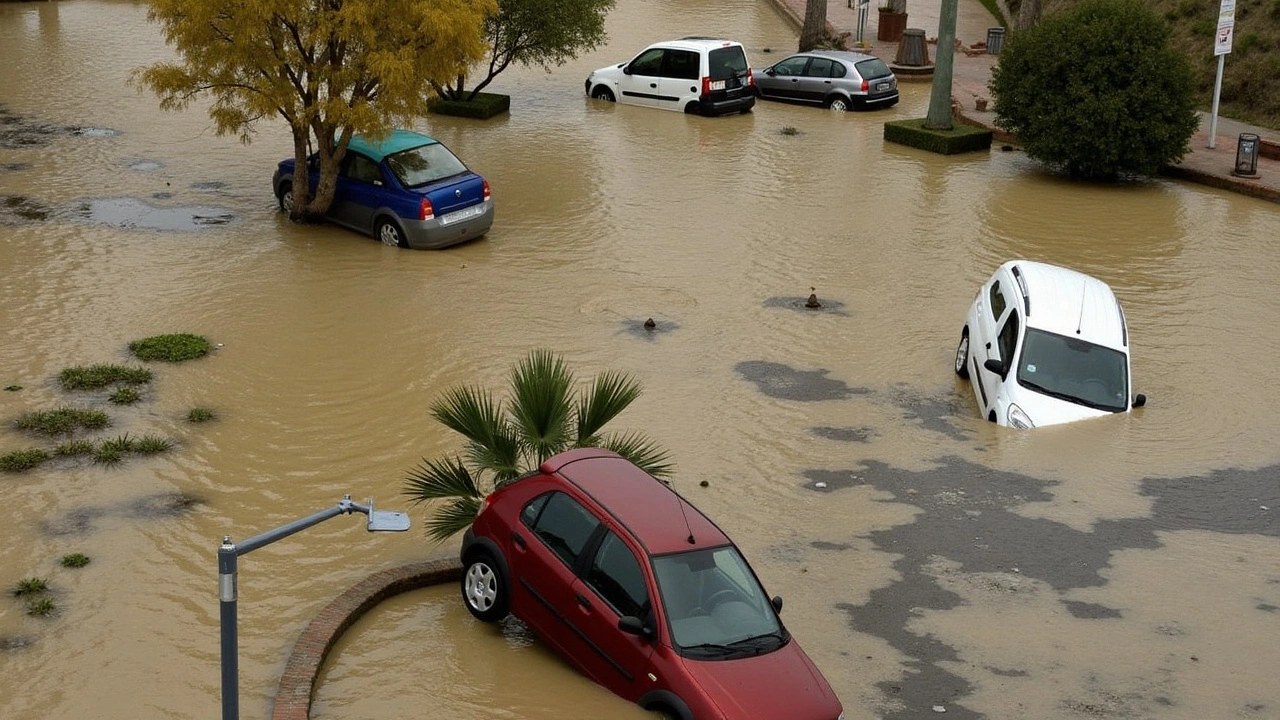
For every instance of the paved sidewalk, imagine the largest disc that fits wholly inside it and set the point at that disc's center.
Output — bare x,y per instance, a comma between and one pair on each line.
971,72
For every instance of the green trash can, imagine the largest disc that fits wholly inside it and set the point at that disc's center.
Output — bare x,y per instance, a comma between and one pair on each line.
1247,156
995,38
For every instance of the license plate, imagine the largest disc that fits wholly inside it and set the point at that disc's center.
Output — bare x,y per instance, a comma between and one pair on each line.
882,86
717,84
463,214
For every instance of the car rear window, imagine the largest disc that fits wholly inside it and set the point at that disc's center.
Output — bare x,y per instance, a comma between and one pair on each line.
424,164
873,68
728,62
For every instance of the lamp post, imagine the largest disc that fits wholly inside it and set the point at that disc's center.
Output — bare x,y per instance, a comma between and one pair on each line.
228,552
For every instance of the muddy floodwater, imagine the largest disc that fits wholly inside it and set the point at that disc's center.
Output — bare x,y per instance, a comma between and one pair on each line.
1125,567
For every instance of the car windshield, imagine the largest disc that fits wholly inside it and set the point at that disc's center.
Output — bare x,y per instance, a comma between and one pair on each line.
727,62
424,164
715,606
1074,370
873,69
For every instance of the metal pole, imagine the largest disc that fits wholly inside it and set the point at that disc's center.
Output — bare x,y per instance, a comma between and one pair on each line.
1217,91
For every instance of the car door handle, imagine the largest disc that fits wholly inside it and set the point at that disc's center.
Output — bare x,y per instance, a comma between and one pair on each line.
515,538
653,85
583,601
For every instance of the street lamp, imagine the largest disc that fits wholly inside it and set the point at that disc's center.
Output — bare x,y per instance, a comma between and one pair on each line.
379,521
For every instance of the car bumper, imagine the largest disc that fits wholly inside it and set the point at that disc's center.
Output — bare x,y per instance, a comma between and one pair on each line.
723,107
885,100
440,233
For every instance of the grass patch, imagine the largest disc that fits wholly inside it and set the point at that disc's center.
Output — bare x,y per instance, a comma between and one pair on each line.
20,460
482,107
63,421
127,395
170,348
95,377
120,443
72,448
789,130
108,456
199,415
75,560
152,444
41,607
27,587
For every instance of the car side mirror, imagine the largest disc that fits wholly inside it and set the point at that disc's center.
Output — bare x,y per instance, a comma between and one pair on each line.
994,366
626,70
1139,400
633,625
769,72
776,602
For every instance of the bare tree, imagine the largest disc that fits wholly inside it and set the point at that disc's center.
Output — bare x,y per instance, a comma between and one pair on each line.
1028,15
815,24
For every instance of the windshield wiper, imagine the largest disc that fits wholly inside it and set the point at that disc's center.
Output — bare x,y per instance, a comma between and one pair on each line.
716,647
754,642
1053,393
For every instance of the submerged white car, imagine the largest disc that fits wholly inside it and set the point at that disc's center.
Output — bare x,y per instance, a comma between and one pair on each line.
1045,345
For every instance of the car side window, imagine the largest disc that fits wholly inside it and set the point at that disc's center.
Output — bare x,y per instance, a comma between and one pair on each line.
529,515
1008,338
648,63
791,66
838,70
819,67
359,167
565,526
681,65
616,575
997,302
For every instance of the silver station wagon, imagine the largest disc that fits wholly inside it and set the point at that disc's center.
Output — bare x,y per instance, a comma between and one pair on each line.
837,79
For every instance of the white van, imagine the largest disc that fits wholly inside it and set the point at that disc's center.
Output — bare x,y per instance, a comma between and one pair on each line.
708,76
1045,345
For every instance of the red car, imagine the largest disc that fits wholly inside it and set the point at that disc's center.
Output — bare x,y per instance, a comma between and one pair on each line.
640,591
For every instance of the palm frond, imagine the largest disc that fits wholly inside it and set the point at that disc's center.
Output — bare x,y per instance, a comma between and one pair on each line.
610,393
640,450
503,455
452,518
447,478
469,411
540,403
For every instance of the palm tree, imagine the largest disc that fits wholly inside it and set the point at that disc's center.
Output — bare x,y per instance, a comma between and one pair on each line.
507,439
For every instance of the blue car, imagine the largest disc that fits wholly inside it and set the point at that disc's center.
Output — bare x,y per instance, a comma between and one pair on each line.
406,190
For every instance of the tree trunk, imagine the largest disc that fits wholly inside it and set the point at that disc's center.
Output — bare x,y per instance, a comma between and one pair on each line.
815,24
1028,15
939,117
897,6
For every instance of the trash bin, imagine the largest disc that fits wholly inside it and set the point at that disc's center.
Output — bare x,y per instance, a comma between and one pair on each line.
1247,155
995,38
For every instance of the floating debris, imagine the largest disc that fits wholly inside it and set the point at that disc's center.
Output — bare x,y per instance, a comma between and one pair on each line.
812,302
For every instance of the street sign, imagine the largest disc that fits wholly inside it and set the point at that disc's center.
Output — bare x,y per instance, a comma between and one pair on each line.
1226,27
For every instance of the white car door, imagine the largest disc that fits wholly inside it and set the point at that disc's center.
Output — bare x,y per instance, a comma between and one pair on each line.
639,84
994,311
680,81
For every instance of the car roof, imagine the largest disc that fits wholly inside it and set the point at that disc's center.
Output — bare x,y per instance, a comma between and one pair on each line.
846,55
656,516
393,143
1070,303
696,42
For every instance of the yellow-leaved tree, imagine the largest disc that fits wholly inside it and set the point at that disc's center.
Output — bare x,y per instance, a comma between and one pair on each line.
330,68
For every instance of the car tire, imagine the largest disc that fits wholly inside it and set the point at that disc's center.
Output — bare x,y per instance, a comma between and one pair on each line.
601,92
388,232
484,588
286,197
839,103
962,355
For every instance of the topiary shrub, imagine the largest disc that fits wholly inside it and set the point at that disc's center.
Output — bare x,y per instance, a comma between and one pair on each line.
482,107
1097,91
959,139
176,347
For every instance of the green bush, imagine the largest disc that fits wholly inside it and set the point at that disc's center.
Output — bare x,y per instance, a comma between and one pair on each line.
125,396
20,460
72,448
1097,91
959,139
200,414
63,421
95,377
170,348
482,107
75,560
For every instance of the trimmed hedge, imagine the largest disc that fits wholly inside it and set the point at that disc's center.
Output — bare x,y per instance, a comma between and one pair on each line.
482,107
960,138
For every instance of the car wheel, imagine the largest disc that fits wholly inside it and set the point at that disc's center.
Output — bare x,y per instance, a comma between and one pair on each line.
838,104
286,198
962,355
484,588
389,233
601,92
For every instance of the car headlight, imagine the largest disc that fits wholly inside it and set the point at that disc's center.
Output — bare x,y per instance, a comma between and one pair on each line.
1019,419
841,717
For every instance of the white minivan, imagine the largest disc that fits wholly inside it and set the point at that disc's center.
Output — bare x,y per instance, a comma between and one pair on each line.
1044,345
708,76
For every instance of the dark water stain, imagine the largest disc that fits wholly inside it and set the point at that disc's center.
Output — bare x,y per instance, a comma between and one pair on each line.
1090,611
134,213
828,307
16,642
968,517
850,434
933,412
22,208
146,165
164,505
80,521
94,131
1001,672
15,166
824,545
780,381
209,185
161,196
1267,607
642,328
18,131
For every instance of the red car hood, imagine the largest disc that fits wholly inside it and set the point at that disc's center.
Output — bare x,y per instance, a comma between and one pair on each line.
781,685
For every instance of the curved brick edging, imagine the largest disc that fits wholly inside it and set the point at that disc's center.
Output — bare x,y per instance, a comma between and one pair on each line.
297,683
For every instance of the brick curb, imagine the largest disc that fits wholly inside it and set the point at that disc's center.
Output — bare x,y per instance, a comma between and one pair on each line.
297,683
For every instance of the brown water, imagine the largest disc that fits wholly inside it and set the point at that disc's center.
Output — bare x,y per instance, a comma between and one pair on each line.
1123,567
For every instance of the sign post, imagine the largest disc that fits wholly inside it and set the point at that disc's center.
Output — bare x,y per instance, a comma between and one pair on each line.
1221,48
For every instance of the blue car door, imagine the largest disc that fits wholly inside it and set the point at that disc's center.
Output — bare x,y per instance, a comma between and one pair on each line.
358,193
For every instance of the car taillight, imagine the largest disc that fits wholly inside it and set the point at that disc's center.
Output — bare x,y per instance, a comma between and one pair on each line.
486,189
425,211
706,85
751,78
865,85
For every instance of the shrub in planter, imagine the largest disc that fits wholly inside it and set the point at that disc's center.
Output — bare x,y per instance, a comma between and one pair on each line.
482,107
